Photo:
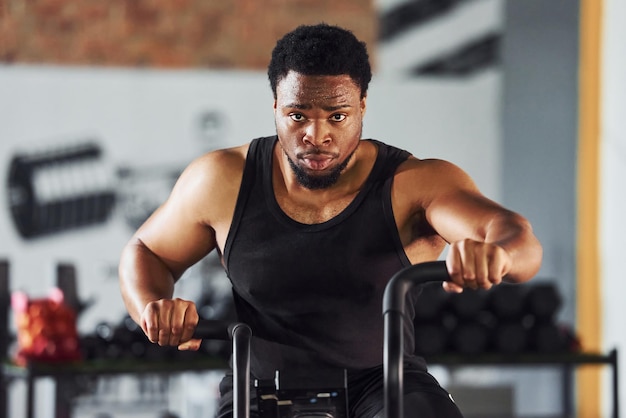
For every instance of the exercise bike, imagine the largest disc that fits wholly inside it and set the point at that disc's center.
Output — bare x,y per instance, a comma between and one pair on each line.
286,397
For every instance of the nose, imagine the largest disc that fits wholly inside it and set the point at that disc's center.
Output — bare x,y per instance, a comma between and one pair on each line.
317,134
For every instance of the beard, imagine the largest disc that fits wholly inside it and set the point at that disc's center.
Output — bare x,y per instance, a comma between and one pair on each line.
318,182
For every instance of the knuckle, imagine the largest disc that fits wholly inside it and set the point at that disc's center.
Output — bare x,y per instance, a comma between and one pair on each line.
152,327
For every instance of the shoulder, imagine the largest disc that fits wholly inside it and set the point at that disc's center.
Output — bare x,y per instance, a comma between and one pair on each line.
433,173
421,181
212,180
216,168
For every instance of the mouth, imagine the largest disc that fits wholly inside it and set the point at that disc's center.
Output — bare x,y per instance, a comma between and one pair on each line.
317,161
315,170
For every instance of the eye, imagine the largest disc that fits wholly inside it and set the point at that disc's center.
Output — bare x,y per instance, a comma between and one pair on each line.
297,117
337,117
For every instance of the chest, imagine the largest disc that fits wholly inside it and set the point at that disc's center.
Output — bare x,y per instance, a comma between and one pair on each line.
311,211
276,264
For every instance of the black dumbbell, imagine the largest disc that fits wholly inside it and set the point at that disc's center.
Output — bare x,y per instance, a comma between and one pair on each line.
468,304
507,301
543,301
510,337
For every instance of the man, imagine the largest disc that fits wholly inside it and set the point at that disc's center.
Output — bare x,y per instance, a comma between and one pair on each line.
311,224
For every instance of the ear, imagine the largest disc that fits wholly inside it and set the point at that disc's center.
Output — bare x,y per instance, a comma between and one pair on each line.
363,104
274,106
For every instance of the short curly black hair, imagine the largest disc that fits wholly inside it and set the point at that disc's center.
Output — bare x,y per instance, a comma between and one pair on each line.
320,49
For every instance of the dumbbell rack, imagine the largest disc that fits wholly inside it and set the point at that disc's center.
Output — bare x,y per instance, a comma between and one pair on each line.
66,375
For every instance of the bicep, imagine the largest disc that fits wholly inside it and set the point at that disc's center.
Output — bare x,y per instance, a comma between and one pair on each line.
460,214
176,232
176,241
455,207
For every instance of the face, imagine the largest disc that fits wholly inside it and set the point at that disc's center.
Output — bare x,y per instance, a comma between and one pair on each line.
319,124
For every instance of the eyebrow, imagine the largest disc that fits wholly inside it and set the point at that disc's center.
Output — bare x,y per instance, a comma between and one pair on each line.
308,106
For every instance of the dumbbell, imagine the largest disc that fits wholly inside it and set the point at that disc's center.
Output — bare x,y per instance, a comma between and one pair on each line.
543,301
507,301
510,337
54,190
547,337
470,337
468,304
72,186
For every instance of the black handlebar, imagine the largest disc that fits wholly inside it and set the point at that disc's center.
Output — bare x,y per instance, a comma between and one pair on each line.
393,314
240,334
210,329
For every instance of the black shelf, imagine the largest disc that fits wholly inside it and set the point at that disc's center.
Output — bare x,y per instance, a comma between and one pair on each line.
565,361
567,358
110,367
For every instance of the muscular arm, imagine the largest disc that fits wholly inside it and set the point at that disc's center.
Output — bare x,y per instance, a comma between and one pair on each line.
488,243
177,235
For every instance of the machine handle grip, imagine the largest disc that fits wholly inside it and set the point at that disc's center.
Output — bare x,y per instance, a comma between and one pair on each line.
240,334
210,329
394,316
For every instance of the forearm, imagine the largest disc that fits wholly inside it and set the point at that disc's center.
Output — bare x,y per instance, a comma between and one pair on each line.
514,234
143,278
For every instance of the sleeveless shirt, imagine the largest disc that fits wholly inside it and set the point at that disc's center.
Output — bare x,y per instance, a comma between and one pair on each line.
312,294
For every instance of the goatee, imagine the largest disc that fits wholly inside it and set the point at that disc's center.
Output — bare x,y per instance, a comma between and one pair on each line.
319,181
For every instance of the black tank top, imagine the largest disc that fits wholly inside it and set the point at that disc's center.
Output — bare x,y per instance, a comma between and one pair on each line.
312,294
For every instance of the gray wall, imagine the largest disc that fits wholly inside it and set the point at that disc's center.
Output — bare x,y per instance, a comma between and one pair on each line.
540,61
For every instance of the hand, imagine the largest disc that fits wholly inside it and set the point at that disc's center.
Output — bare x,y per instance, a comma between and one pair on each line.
171,322
476,265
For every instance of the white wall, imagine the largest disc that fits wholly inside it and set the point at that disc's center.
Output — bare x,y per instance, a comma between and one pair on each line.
613,173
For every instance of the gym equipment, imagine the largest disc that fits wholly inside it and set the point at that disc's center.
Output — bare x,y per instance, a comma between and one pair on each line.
334,393
470,337
55,190
547,337
289,394
468,304
543,301
510,337
507,301
240,334
73,186
394,314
